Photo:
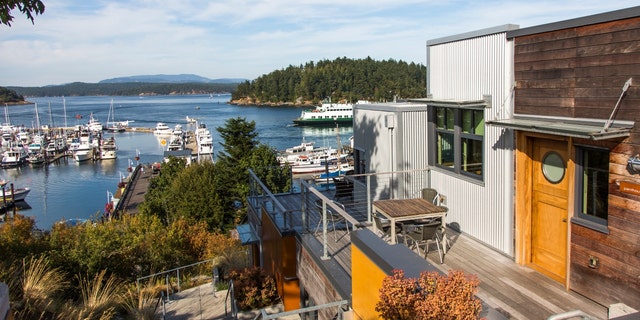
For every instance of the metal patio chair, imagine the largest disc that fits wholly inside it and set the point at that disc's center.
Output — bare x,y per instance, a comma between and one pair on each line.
423,235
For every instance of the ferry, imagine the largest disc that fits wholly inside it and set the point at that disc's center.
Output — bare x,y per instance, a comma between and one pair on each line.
328,114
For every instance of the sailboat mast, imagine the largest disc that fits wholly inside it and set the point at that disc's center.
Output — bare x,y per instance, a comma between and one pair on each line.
64,107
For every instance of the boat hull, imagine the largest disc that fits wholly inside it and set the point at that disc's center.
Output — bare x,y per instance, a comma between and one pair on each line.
323,122
20,194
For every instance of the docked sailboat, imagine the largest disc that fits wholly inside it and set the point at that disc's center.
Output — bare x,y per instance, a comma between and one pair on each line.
112,124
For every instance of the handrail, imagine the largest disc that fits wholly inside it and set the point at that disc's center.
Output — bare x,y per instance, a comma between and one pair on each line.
171,270
231,294
266,316
570,315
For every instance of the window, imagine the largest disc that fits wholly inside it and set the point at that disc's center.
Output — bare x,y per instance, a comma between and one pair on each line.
459,143
592,184
359,165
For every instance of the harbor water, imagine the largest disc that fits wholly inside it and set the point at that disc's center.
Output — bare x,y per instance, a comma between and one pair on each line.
67,189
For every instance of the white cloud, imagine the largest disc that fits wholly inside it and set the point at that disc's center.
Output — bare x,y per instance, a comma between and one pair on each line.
77,40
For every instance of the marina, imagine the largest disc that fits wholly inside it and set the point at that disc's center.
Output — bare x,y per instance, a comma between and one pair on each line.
63,188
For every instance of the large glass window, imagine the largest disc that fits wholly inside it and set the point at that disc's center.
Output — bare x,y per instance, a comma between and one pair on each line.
592,184
459,143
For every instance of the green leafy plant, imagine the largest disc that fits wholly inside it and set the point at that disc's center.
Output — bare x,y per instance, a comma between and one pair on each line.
253,288
431,296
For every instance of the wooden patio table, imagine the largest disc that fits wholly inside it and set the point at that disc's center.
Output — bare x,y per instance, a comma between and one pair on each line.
397,210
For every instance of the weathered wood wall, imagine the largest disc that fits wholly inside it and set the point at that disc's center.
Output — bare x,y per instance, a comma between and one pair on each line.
579,73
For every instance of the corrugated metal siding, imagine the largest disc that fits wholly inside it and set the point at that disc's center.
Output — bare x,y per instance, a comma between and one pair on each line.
467,70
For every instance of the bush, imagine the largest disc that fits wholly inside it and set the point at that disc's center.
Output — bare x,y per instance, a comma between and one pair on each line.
254,289
431,296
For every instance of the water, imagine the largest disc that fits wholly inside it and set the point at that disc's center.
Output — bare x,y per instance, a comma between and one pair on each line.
71,190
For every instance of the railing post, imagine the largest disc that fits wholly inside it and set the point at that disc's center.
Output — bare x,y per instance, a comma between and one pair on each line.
325,249
167,284
369,205
178,274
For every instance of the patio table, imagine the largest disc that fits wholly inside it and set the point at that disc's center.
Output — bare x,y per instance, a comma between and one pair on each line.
397,210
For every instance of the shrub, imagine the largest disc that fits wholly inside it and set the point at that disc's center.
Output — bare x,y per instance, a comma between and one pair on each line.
254,289
431,296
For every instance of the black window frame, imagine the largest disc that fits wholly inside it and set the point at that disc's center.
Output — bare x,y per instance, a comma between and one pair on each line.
591,221
455,115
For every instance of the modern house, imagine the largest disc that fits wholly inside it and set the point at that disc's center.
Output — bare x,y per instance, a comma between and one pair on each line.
577,134
469,82
530,136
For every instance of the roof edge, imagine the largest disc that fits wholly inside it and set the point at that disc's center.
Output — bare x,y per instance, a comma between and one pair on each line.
473,34
577,22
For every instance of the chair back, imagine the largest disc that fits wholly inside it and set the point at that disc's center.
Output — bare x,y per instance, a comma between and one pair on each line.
431,195
423,232
378,223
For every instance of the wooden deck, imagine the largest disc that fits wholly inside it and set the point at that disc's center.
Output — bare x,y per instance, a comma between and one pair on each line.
516,291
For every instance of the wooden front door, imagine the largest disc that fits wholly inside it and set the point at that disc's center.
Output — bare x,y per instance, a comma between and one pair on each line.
549,210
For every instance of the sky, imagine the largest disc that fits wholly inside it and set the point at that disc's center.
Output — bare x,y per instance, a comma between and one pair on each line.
89,41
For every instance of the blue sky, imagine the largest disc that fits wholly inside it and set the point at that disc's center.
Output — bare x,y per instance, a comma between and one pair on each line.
89,41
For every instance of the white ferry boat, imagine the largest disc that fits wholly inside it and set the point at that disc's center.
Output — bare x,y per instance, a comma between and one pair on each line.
328,114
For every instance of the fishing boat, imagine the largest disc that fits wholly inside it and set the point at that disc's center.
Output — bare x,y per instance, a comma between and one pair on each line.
18,194
328,114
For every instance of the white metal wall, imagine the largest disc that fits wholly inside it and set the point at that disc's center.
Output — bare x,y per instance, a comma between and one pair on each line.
467,70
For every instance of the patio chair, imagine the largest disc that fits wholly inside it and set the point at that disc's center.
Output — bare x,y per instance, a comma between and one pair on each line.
383,226
344,188
332,217
423,235
431,195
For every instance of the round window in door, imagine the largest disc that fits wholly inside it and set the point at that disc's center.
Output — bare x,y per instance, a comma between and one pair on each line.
553,167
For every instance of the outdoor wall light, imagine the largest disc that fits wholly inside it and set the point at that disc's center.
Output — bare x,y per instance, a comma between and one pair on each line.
634,164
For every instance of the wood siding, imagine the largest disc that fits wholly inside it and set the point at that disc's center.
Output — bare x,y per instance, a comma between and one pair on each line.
279,257
579,72
617,277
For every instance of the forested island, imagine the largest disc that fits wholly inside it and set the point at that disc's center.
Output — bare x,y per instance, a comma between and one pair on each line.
124,89
342,79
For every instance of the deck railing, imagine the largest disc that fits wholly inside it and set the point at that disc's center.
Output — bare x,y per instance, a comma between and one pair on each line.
167,275
354,206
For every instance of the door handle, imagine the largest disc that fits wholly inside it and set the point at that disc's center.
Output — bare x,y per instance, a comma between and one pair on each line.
564,219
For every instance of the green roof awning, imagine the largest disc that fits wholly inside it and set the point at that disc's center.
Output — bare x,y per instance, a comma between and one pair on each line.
563,127
247,234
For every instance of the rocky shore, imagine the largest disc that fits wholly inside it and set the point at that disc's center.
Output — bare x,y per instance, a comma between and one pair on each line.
247,101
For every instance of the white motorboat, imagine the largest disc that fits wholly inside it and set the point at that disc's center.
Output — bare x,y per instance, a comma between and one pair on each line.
14,157
36,159
83,153
94,125
162,129
204,141
18,194
108,149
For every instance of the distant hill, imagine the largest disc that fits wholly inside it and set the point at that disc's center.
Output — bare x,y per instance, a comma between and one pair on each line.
170,78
